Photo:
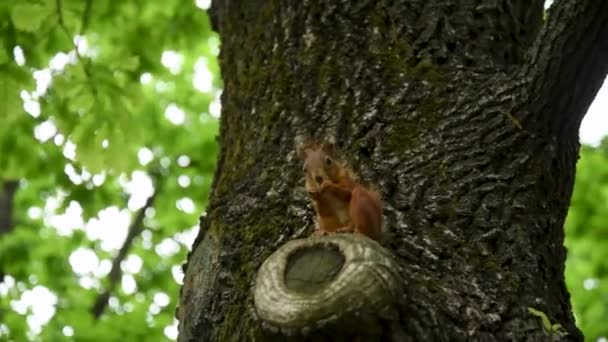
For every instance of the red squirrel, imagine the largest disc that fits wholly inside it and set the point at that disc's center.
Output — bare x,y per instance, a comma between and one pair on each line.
341,203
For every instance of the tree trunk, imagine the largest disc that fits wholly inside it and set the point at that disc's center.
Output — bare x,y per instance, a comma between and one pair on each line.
464,114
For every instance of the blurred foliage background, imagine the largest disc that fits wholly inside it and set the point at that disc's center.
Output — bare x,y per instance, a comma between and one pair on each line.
108,124
587,243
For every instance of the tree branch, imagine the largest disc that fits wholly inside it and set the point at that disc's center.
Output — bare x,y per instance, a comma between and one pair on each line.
85,21
568,63
115,273
7,196
9,187
86,17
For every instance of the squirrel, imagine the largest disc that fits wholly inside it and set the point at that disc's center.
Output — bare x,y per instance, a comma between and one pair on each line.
341,203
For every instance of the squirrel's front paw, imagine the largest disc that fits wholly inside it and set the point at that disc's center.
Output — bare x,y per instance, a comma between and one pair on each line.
345,229
326,186
319,232
315,195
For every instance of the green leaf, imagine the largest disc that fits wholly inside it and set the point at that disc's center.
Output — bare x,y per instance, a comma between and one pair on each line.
131,63
10,101
546,322
84,101
28,17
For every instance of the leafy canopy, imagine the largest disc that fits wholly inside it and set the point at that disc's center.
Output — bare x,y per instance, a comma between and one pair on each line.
587,241
103,104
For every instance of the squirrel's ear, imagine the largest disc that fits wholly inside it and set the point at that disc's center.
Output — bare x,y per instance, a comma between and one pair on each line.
302,150
329,145
303,145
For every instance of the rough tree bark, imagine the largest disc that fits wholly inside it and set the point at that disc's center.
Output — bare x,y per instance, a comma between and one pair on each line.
465,113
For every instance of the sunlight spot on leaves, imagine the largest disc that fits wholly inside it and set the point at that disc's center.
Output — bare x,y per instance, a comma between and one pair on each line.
88,282
4,330
45,131
203,78
177,273
145,78
6,285
140,188
185,204
67,331
175,114
162,86
146,239
61,60
34,213
214,45
43,81
40,301
215,107
203,4
70,171
187,237
104,268
52,203
132,264
30,104
99,179
145,155
129,286
83,261
591,283
161,299
59,139
18,55
172,60
82,45
183,160
69,150
113,303
167,248
153,310
183,181
171,330
65,224
110,227
150,212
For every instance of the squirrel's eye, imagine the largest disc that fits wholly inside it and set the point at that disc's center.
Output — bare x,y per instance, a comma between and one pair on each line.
328,161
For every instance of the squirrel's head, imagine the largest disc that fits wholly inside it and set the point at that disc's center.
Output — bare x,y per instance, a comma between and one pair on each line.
319,162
